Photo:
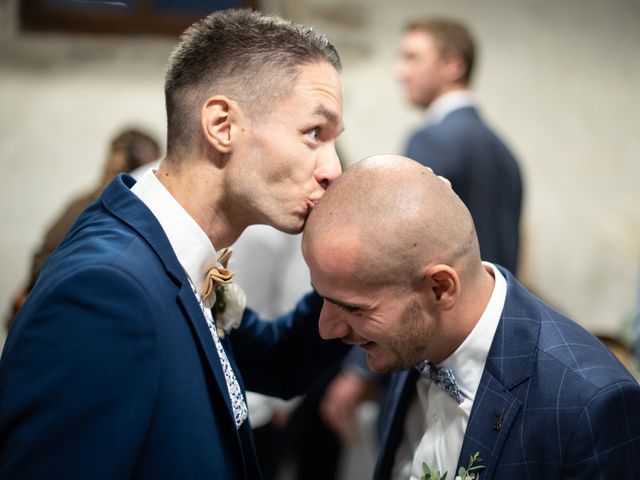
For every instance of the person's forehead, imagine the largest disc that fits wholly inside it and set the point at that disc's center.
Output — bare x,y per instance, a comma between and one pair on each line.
318,92
419,39
321,77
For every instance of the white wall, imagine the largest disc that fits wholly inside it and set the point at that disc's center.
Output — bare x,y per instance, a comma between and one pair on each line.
557,79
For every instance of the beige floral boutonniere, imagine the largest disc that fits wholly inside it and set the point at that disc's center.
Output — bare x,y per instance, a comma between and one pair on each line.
230,303
228,298
231,299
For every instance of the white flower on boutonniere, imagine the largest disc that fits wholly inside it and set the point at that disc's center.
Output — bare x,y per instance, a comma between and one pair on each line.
469,473
230,303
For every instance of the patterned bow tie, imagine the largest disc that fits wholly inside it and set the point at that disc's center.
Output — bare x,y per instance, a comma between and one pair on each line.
219,274
443,378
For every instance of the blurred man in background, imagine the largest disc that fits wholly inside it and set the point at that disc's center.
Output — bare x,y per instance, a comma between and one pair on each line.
436,64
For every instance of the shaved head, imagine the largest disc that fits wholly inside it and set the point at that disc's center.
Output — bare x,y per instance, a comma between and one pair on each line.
394,253
400,216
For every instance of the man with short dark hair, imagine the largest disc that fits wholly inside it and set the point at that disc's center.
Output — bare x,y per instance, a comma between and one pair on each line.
116,366
484,370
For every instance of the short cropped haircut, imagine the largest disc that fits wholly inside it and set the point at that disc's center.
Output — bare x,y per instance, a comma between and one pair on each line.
250,57
452,38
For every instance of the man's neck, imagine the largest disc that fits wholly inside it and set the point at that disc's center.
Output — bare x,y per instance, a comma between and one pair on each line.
198,189
447,102
466,315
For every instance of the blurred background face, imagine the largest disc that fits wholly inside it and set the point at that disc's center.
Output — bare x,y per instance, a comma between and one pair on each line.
420,67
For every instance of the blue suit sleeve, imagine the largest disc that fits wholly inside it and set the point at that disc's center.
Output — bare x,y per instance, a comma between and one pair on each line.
606,441
77,379
282,357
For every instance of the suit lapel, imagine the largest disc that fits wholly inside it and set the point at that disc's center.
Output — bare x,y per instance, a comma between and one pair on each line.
122,203
508,366
401,391
196,318
491,419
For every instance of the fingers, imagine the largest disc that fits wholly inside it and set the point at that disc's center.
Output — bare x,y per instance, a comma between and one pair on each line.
446,181
340,402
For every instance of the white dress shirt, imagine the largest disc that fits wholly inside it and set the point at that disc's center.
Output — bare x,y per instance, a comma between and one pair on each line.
447,103
197,256
435,424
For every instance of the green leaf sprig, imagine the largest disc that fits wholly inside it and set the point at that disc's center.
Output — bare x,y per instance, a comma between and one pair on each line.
470,473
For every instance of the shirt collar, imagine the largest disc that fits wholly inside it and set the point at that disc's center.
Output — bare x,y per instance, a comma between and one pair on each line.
190,243
447,103
467,361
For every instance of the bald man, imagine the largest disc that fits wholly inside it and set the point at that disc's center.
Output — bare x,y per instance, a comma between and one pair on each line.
482,366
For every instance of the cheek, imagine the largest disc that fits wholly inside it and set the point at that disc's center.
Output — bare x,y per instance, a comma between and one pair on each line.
425,79
395,322
301,171
289,166
377,328
270,153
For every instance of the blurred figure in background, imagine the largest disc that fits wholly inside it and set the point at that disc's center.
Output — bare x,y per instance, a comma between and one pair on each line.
130,149
621,349
436,64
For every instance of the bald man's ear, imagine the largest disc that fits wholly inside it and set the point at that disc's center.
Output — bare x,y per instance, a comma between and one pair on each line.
217,119
445,286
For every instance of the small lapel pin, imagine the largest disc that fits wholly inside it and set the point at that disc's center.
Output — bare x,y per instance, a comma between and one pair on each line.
498,425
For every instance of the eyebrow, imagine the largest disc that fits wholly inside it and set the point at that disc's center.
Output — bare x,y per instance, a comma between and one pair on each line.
329,115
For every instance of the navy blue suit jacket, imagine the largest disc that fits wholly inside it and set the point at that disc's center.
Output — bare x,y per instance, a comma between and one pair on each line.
110,371
553,402
483,173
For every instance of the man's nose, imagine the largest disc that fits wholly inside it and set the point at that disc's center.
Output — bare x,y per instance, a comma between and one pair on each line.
330,326
328,168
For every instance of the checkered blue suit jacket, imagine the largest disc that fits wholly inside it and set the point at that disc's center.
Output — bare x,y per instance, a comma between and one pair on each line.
553,402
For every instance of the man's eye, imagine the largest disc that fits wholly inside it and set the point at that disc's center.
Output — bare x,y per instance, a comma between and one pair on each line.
348,309
314,134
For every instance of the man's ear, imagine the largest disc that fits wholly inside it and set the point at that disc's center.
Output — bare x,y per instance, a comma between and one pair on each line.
216,120
444,284
455,68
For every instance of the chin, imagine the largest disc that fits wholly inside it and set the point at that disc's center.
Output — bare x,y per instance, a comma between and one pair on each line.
291,222
391,363
380,367
291,228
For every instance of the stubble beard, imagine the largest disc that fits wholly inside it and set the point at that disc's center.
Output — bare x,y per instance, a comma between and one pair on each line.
407,346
